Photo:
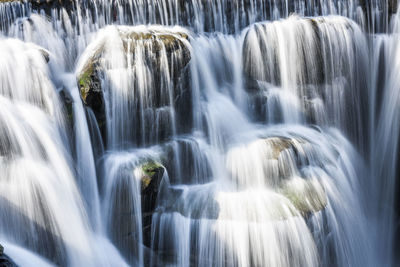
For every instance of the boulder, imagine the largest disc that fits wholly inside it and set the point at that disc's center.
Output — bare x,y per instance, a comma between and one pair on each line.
306,195
194,166
392,6
158,46
133,202
282,165
152,174
5,261
170,42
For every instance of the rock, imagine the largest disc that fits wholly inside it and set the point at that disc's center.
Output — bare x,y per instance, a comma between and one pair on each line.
282,165
392,5
150,184
266,161
307,196
196,202
91,93
5,261
261,57
194,166
157,47
46,5
133,202
45,53
279,144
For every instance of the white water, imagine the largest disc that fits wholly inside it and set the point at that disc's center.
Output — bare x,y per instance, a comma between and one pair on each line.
278,133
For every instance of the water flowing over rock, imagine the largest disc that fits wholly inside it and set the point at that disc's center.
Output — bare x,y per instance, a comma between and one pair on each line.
155,60
199,133
215,15
4,260
269,50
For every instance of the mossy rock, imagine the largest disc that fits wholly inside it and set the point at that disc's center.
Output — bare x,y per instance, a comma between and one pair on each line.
307,196
88,77
84,82
278,145
152,174
157,44
149,169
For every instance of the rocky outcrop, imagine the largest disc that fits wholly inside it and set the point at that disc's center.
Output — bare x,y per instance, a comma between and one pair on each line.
284,189
392,6
164,52
152,174
307,195
46,5
280,164
5,261
262,61
132,207
194,166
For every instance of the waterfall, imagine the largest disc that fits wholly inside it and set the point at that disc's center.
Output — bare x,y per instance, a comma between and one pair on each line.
384,145
199,133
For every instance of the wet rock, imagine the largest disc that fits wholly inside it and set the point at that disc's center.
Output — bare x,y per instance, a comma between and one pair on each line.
133,202
196,202
150,185
393,5
47,5
157,48
186,162
45,53
5,261
267,161
262,61
278,145
34,236
91,93
307,196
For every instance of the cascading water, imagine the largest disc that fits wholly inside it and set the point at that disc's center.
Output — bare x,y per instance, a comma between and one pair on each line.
232,133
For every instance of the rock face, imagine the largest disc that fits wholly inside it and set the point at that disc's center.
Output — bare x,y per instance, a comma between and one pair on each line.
46,5
392,5
133,204
277,167
163,54
306,195
4,260
150,184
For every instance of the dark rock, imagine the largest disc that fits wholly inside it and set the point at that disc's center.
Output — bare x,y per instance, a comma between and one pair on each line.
35,237
48,5
186,162
127,213
392,6
150,185
307,196
5,261
153,110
